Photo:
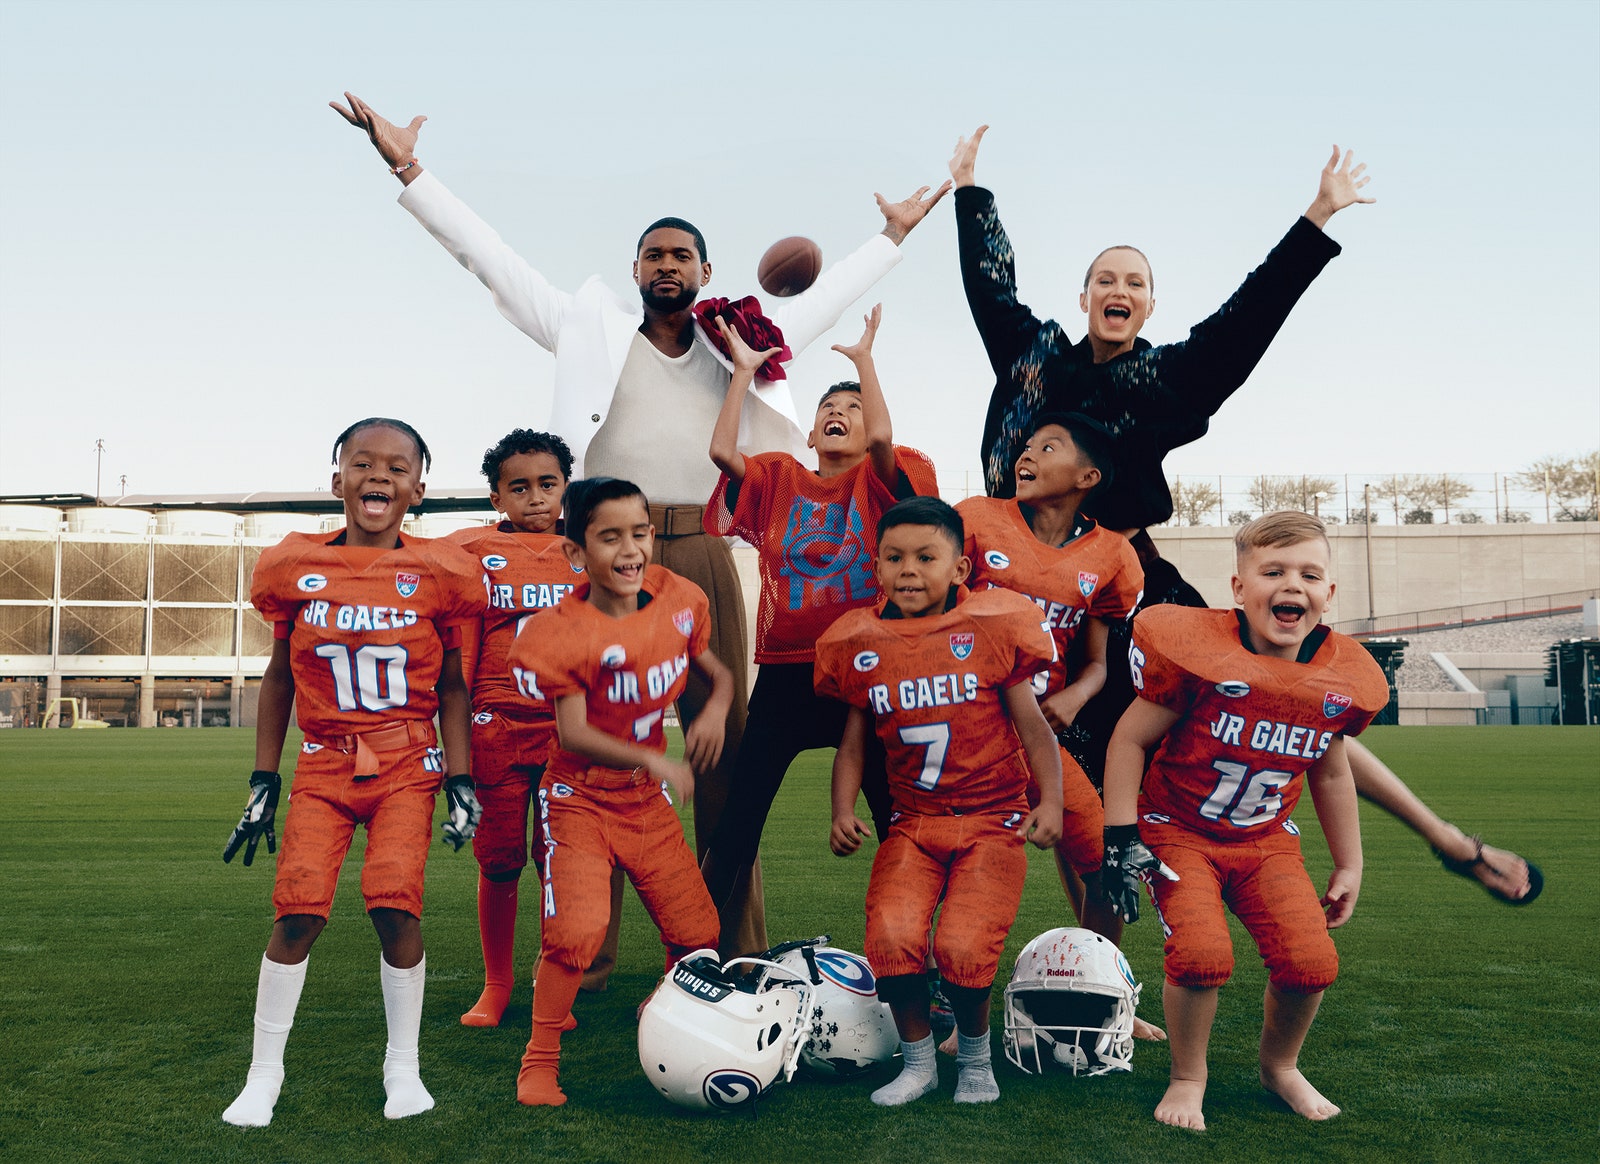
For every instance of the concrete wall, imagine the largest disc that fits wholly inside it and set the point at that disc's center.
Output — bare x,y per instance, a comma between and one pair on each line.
1417,568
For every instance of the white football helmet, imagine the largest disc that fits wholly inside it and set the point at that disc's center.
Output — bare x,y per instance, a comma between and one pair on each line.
1071,998
711,1039
848,1029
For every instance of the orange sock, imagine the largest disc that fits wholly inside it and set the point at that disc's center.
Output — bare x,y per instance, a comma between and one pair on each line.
553,995
497,927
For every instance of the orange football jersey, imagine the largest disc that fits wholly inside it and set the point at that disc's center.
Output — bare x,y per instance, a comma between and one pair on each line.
817,537
367,628
933,688
628,669
1251,724
525,573
1095,575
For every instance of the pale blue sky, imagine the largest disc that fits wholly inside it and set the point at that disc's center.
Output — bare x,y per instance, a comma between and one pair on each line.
202,264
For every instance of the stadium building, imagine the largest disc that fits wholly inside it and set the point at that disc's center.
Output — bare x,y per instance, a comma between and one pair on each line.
139,611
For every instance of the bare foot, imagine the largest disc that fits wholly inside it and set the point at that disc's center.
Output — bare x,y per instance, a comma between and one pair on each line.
1148,1031
1296,1091
951,1045
1180,1106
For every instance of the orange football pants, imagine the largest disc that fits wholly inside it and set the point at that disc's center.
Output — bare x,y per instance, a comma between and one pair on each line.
616,820
1083,819
977,862
326,802
1263,880
508,757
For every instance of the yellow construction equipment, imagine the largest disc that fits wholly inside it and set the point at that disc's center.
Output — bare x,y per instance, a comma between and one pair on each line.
73,714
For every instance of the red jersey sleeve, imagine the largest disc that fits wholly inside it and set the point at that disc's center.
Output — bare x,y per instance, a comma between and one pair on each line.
1162,640
1122,584
747,517
836,675
275,591
1011,626
917,468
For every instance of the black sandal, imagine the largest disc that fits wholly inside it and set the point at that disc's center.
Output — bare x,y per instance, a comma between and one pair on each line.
1465,869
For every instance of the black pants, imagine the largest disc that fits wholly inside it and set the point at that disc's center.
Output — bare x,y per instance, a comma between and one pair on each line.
787,717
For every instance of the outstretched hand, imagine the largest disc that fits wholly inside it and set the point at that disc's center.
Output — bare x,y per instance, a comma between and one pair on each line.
965,159
900,218
862,348
396,144
744,357
1339,187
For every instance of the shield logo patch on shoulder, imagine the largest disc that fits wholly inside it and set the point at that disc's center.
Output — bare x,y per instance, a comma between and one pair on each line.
407,584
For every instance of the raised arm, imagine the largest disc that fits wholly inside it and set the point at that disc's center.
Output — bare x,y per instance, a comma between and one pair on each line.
520,293
988,265
874,408
396,145
1198,375
1333,793
725,452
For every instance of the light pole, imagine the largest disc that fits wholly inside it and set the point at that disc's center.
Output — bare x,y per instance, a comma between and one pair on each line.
99,454
1366,520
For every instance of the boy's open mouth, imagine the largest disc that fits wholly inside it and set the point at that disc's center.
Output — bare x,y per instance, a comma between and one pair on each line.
375,503
1117,313
1288,614
834,428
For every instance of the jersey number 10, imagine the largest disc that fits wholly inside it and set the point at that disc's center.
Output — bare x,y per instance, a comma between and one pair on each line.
370,678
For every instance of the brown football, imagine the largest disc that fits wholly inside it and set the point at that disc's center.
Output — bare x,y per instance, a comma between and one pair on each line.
789,266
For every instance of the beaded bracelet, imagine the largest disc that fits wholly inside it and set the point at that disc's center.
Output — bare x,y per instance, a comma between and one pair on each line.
400,169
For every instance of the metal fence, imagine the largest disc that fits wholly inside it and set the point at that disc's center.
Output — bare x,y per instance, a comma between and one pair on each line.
1386,498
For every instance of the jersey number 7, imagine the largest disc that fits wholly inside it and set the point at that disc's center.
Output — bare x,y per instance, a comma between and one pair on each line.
936,738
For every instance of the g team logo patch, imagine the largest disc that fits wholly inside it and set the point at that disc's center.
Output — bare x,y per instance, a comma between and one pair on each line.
407,584
995,560
494,562
846,970
1157,818
1087,582
311,583
613,657
684,621
1334,704
961,644
309,748
1291,828
730,1088
865,661
1233,688
576,569
560,791
483,717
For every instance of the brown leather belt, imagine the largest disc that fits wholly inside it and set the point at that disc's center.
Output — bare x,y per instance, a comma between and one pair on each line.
678,521
391,737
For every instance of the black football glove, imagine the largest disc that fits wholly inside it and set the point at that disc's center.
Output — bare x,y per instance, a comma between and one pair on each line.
256,822
1126,865
463,812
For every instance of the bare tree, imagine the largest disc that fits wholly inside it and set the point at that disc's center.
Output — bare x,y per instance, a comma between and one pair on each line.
1272,493
1572,483
1193,502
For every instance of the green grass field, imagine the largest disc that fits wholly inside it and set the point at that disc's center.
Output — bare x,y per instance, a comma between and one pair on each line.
1460,1029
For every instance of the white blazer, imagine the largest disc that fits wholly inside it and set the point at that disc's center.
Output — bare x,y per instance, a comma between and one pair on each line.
590,330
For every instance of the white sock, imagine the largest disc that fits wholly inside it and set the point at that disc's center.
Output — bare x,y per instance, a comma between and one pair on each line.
919,1075
975,1080
277,997
402,1007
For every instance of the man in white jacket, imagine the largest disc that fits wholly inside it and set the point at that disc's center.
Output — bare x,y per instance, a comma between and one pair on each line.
617,360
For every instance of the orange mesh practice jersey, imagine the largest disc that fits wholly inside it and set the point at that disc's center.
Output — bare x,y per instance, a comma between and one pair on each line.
1095,575
526,573
818,538
933,687
1252,724
628,669
367,628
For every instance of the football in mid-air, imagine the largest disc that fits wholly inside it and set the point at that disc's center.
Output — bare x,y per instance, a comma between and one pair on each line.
790,266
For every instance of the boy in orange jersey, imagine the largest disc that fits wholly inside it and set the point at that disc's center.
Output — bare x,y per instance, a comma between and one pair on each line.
944,678
527,571
814,531
1083,578
366,630
611,658
1248,706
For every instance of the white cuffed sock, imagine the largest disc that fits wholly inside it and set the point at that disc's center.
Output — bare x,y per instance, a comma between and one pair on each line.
975,1082
919,1075
402,1007
277,998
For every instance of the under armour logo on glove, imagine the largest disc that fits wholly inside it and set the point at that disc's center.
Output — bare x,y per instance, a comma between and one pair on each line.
257,821
463,811
1126,865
